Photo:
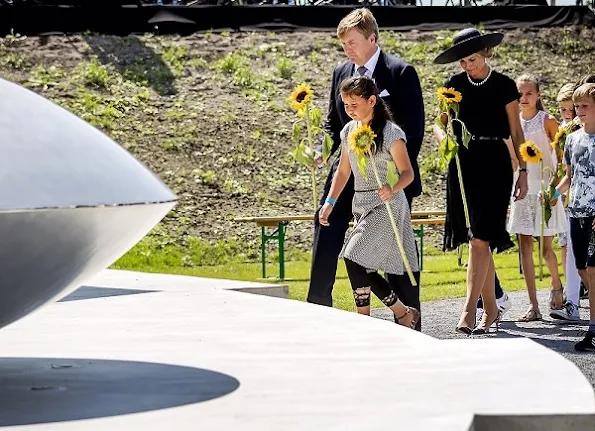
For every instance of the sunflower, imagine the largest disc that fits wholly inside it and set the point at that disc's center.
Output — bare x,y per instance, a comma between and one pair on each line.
361,140
301,96
559,155
531,152
559,139
449,95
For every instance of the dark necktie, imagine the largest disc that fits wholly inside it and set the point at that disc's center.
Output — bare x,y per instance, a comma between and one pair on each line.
362,70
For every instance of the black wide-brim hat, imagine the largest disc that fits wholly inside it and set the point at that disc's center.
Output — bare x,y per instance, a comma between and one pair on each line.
467,42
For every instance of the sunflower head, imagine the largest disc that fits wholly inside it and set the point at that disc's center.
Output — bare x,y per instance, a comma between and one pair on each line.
448,96
531,152
361,140
560,138
300,96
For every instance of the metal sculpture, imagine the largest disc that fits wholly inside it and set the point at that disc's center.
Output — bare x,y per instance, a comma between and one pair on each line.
72,201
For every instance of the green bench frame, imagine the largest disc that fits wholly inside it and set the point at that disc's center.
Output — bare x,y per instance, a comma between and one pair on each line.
279,225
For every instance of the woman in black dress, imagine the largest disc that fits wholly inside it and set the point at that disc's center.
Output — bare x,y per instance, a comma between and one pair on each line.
490,110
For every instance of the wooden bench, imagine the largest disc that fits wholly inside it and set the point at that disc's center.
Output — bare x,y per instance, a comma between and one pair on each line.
419,219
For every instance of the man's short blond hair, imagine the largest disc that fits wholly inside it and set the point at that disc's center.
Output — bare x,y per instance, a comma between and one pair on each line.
585,91
360,19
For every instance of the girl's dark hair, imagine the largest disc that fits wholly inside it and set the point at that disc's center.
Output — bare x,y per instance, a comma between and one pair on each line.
365,87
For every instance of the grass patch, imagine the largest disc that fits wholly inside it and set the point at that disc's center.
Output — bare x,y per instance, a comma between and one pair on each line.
441,278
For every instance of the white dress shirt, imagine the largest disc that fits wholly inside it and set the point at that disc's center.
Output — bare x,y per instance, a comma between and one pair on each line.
370,65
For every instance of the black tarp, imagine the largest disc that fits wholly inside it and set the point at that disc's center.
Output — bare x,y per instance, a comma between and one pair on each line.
126,19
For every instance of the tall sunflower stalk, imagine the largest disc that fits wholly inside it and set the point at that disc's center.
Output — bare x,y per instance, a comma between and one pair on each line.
559,143
449,99
531,153
304,140
361,141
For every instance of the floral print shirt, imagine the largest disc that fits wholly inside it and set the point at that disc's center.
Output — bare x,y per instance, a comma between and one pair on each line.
579,153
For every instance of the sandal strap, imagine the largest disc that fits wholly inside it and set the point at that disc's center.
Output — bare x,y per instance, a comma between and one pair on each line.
530,315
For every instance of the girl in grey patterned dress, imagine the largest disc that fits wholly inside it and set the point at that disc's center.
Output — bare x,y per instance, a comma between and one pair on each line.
372,245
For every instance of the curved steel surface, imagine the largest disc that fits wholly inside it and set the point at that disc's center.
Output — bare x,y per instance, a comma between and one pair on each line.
51,159
72,201
46,254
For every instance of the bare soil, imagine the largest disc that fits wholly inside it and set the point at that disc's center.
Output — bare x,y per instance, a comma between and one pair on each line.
208,112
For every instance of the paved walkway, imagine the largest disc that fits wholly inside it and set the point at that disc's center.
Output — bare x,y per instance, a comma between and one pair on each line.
441,317
154,352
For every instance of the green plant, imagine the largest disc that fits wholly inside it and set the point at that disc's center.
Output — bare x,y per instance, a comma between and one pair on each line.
285,67
45,78
95,74
175,57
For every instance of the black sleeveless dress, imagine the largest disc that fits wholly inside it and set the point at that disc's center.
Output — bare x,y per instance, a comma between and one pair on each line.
486,166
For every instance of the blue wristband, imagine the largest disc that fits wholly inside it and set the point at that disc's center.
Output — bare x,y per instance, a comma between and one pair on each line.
331,200
556,194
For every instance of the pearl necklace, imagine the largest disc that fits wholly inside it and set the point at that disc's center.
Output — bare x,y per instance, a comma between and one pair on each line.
477,84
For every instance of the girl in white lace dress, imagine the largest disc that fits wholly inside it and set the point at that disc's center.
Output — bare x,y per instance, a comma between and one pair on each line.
525,215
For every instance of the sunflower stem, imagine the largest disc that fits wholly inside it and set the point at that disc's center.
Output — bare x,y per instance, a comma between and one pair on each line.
460,174
394,225
542,224
312,168
463,195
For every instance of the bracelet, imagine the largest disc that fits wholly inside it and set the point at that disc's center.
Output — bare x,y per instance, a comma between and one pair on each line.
522,169
557,194
331,200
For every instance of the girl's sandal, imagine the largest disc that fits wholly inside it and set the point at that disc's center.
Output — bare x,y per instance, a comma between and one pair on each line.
531,315
556,299
415,318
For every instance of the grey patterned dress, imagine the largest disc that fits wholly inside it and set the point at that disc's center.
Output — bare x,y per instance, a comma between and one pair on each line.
372,243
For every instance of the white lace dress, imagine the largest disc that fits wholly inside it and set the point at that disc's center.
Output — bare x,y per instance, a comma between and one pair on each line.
525,215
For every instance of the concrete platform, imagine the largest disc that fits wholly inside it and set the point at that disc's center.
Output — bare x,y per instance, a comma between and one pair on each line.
178,353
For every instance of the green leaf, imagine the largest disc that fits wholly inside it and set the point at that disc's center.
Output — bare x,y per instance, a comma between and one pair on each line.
327,145
464,133
448,148
295,134
362,164
315,116
455,108
547,208
303,155
466,136
392,176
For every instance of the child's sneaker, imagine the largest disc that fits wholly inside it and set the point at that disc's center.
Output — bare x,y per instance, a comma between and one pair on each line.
587,344
568,313
503,304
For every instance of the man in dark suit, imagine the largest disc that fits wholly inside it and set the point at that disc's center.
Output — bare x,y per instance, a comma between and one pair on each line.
400,88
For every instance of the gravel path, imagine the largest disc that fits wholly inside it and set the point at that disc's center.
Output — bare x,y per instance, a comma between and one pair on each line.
441,317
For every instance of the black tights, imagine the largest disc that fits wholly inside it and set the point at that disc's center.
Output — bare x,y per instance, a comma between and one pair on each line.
363,281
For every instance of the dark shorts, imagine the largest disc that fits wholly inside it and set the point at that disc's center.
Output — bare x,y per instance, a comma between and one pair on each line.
583,241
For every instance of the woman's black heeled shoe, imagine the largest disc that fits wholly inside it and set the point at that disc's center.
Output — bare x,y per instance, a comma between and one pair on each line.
464,330
483,327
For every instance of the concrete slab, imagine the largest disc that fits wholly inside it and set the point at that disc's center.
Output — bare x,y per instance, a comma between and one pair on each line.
184,358
156,281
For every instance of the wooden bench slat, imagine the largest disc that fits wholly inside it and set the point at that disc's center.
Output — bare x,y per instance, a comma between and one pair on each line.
428,221
272,220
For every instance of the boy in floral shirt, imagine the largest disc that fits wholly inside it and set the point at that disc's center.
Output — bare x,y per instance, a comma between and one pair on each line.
579,158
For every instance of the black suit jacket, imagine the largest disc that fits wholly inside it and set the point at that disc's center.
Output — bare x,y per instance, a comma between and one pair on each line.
405,102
